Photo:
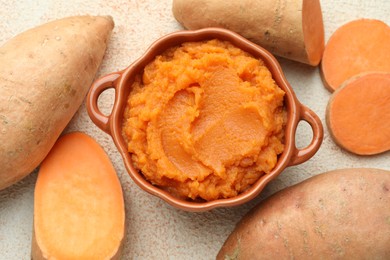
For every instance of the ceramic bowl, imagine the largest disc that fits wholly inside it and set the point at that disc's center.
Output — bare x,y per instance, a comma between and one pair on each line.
122,80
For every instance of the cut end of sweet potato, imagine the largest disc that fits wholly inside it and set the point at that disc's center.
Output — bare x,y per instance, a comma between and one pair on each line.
78,203
357,47
313,31
358,114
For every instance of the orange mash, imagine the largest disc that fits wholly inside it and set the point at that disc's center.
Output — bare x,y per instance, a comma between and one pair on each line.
205,120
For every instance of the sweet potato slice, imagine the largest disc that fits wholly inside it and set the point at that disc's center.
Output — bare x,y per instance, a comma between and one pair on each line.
78,203
357,47
358,114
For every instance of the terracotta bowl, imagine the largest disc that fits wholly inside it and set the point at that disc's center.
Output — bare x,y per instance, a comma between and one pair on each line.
122,80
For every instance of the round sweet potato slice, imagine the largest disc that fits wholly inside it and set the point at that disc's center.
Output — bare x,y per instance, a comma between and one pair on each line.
358,114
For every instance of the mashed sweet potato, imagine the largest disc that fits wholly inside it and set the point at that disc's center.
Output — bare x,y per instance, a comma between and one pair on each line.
205,120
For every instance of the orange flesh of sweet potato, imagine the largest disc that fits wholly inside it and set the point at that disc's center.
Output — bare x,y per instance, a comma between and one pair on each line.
343,214
78,203
292,29
358,114
313,31
357,47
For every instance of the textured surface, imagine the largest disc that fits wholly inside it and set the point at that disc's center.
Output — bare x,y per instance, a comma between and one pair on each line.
155,230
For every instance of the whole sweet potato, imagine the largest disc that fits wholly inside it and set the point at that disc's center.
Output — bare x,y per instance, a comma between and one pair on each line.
343,214
45,73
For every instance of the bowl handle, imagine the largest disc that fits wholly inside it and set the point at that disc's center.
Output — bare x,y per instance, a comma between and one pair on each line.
302,155
97,88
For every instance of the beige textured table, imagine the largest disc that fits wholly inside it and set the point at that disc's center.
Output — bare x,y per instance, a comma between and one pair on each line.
156,230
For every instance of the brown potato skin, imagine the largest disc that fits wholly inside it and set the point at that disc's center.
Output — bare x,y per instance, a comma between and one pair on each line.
45,73
342,214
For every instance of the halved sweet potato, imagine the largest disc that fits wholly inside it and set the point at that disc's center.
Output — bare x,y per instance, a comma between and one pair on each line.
78,203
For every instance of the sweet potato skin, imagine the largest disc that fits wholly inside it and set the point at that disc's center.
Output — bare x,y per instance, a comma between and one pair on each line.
343,214
45,73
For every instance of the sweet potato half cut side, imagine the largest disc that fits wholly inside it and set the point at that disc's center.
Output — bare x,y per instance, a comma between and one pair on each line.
357,47
78,203
358,114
